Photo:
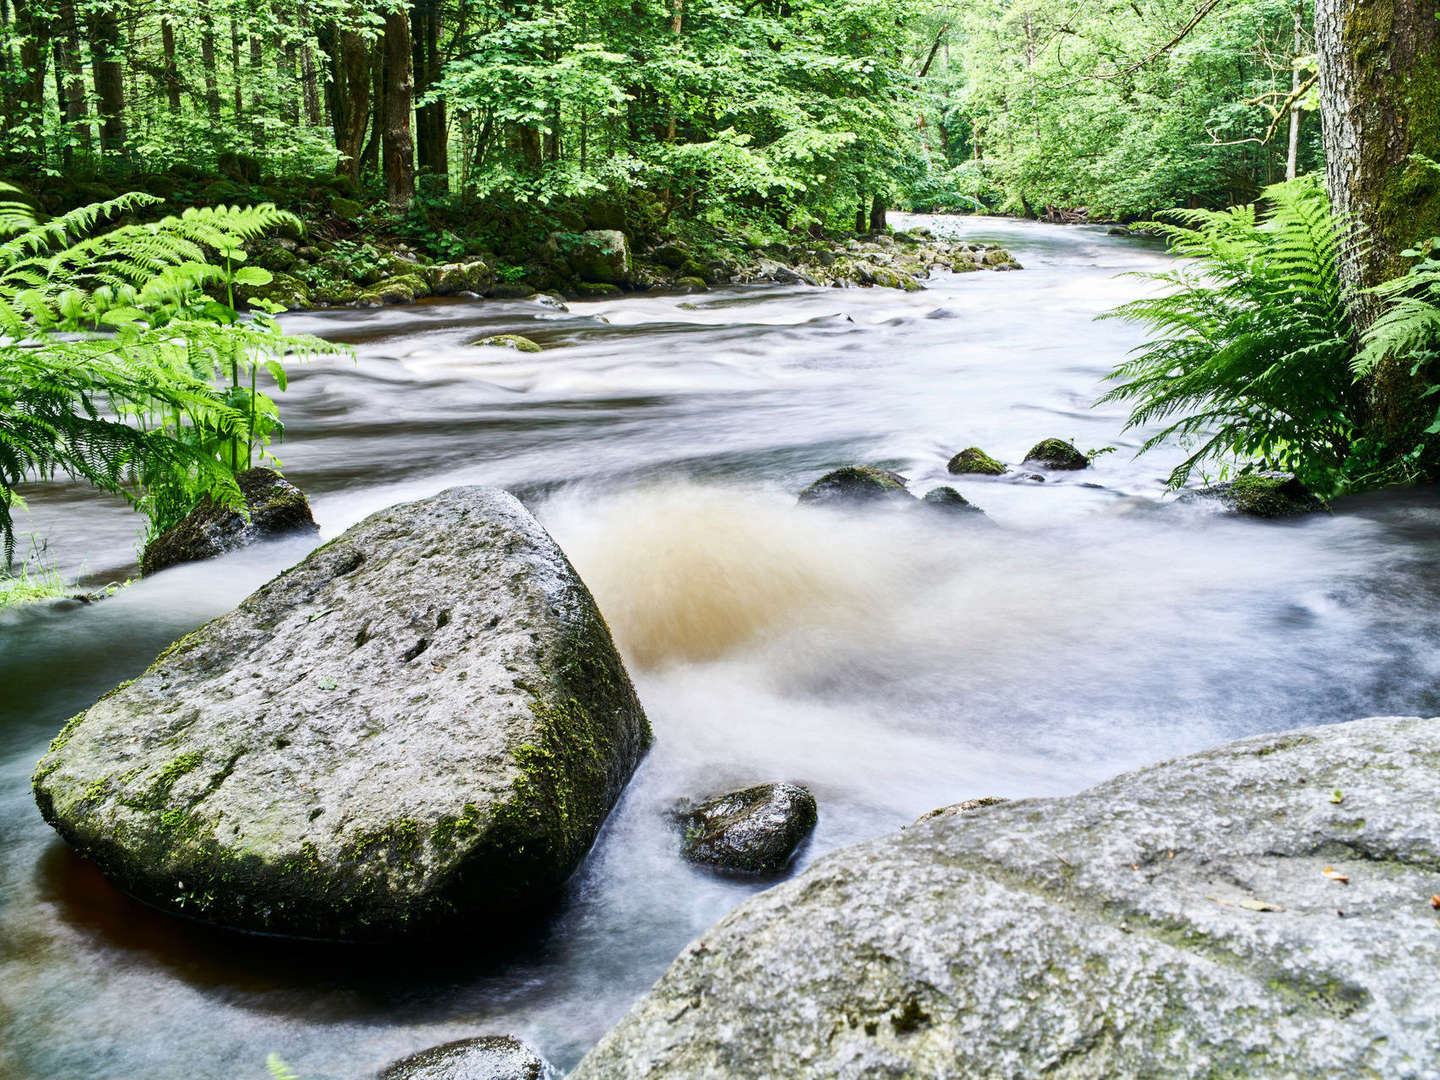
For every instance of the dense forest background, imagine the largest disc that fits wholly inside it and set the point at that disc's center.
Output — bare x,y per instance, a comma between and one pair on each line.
784,112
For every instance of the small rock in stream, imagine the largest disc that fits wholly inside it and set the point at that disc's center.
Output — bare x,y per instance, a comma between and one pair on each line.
754,830
857,485
1273,496
974,460
1057,454
276,506
489,1057
948,501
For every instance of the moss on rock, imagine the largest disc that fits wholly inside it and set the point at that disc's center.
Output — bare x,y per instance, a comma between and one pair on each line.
1057,454
975,460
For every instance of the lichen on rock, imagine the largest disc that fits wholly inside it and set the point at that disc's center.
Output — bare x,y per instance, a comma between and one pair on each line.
423,722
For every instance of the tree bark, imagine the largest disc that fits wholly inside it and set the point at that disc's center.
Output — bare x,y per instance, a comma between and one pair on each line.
109,79
1379,104
1292,153
431,125
68,46
352,101
172,69
877,214
33,26
207,62
398,145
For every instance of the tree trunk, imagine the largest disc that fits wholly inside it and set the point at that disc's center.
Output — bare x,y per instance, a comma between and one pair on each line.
308,76
1379,104
432,129
34,29
352,101
67,42
1292,154
172,69
399,147
207,61
877,214
109,79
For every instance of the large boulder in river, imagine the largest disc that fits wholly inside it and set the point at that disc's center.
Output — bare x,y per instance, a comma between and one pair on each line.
273,507
423,722
603,256
1260,910
1261,495
751,831
489,1057
974,460
857,485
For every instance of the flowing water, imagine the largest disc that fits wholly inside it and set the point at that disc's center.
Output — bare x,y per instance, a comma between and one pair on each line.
894,662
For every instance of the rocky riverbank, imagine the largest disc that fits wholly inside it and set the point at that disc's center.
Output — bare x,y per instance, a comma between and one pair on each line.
317,273
1264,909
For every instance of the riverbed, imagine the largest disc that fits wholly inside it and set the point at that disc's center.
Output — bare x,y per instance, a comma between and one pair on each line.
893,662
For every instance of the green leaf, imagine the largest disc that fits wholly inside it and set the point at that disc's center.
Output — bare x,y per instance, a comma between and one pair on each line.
253,275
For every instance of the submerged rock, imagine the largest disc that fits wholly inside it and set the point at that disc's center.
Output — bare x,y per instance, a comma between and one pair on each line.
755,830
1261,495
1189,919
1057,454
857,485
508,341
949,501
424,722
974,460
489,1057
276,508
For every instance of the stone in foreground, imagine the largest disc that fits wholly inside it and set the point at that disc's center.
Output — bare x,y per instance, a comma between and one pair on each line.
753,831
276,506
423,722
1178,921
857,485
490,1057
1057,454
974,460
1274,496
946,500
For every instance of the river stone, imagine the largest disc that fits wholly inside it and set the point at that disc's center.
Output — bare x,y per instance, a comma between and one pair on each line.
947,500
602,256
422,723
754,830
1176,922
1261,495
1057,454
489,1057
276,506
974,460
857,485
508,341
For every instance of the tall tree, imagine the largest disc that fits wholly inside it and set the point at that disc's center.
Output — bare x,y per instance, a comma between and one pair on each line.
109,77
398,148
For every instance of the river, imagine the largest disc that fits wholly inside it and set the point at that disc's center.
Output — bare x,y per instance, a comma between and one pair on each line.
893,662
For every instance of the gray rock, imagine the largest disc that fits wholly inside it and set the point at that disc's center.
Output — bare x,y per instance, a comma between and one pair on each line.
517,342
423,722
857,485
755,830
453,279
602,256
545,300
490,1057
1261,495
1178,921
946,500
1057,454
276,508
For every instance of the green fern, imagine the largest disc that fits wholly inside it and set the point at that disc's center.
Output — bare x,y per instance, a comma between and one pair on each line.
1248,364
117,364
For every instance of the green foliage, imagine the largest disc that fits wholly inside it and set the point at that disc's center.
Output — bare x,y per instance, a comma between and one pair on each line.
118,364
278,1070
1250,358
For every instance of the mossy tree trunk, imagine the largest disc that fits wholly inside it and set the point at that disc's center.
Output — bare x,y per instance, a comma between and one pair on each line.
399,144
1379,105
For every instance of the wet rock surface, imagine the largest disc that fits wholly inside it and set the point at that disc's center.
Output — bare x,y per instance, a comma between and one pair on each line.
1274,496
857,485
489,1057
1057,454
974,460
276,508
1263,909
753,831
946,500
423,723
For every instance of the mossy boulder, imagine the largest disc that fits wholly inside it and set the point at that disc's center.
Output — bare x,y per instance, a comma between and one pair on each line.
1190,919
508,341
593,290
405,289
421,725
1057,454
1261,495
473,275
273,507
286,290
346,209
603,256
857,485
752,831
489,1057
973,460
946,500
691,284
